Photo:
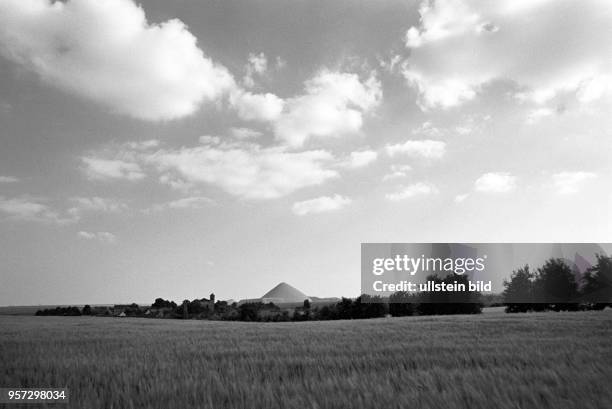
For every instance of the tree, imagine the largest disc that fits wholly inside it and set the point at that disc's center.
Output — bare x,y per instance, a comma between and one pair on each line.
327,312
431,303
401,304
367,306
518,292
250,311
454,302
555,286
185,309
302,313
462,302
73,311
86,310
161,303
344,309
597,283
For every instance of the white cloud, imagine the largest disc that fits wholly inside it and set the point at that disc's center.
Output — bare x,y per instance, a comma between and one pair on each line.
143,145
570,182
106,51
495,182
280,63
239,167
195,202
426,148
96,204
247,170
359,159
439,20
320,205
414,190
594,88
461,45
245,133
256,107
8,179
538,113
464,130
107,169
102,236
176,183
208,139
428,129
31,209
442,92
461,197
249,106
397,171
257,65
333,105
391,63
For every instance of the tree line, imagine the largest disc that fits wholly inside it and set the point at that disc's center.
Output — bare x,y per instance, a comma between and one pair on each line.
555,286
559,286
362,307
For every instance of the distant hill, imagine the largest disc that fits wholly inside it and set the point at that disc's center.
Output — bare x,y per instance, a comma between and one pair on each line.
285,292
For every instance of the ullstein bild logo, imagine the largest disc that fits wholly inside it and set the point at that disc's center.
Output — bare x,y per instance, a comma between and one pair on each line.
463,272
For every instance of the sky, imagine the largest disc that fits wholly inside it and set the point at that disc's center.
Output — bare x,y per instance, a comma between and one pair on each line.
174,149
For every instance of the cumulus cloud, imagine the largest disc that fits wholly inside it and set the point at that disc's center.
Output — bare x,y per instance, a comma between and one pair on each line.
239,167
176,183
495,182
106,51
570,182
397,171
414,190
245,133
103,236
194,202
459,46
256,107
538,114
96,204
257,65
143,145
8,179
428,129
246,170
320,205
31,209
441,92
426,148
391,63
332,105
461,197
280,62
359,159
108,169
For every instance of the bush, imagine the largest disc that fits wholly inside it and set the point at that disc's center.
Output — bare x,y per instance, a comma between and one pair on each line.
555,286
518,292
401,304
597,283
446,303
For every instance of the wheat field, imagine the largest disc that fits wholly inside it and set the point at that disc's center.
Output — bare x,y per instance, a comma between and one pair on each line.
547,360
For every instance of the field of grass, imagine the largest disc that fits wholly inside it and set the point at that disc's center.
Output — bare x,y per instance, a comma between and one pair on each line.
548,360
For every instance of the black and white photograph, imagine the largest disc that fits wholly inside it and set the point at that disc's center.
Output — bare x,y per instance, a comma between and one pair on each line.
293,204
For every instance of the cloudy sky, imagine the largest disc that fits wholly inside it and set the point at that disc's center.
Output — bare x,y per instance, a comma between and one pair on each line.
177,148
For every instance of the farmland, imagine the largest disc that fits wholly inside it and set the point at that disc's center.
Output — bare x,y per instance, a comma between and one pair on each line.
537,360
